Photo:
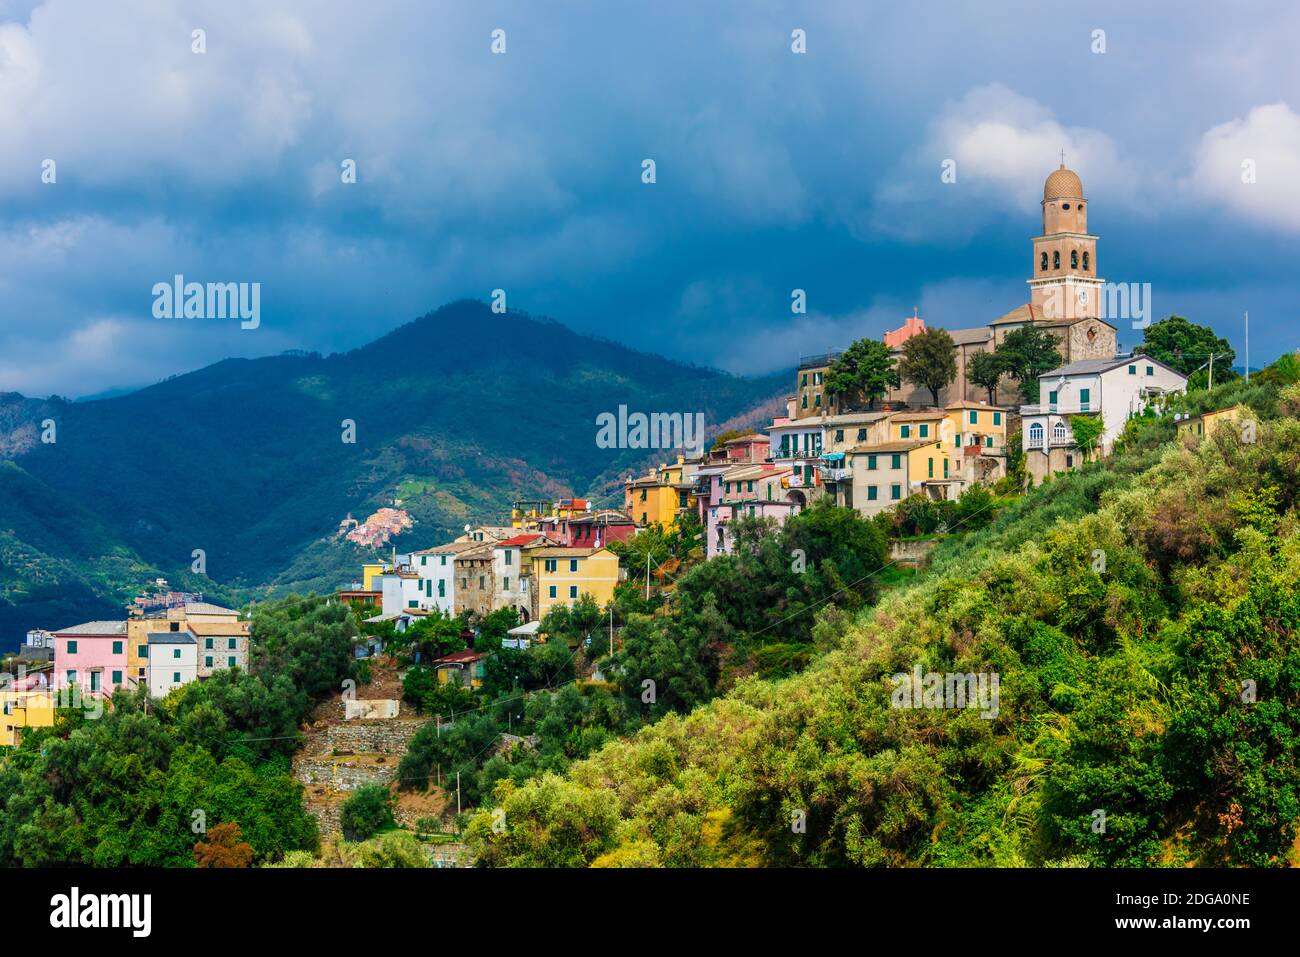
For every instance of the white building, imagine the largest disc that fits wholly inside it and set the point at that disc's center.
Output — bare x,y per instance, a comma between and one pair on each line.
1116,389
508,568
173,661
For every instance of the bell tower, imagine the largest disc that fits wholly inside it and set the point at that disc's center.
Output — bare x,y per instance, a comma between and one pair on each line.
1064,282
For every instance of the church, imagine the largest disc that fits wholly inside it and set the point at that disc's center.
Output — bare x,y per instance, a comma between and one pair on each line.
1065,299
1065,296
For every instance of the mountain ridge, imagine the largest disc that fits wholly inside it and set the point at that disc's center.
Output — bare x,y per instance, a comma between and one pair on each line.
456,413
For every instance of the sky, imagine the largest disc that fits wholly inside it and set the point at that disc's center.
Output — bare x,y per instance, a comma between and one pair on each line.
523,170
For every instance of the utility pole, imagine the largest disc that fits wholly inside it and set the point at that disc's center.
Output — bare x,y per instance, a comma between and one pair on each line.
1210,387
1247,347
458,794
611,629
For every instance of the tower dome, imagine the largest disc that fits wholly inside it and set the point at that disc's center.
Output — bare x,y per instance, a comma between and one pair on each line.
1062,184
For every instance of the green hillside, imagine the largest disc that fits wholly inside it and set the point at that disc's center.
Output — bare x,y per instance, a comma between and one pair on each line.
1149,709
457,414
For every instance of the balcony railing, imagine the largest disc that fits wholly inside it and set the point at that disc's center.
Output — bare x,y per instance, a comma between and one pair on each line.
1059,408
836,474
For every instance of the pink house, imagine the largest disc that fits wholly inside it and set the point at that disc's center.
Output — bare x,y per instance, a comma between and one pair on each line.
913,326
760,491
91,656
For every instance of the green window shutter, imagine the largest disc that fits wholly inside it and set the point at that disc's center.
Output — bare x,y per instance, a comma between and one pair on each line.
905,431
925,431
230,662
207,661
552,591
871,463
1051,397
232,644
974,417
117,677
1132,370
1151,370
997,418
176,677
930,466
117,647
72,647
871,493
895,491
898,461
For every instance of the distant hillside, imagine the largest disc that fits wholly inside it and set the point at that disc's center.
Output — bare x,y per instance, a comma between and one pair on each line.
456,413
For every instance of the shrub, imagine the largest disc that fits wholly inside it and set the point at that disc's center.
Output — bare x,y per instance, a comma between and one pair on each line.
367,812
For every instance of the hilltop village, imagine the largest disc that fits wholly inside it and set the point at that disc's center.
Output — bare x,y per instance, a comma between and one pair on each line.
923,413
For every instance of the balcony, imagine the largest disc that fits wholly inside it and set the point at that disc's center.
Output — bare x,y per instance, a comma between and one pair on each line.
836,474
1060,408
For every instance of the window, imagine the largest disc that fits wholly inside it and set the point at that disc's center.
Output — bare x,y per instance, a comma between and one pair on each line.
142,651
573,564
1151,370
803,380
573,591
71,677
1069,461
895,492
1058,432
643,495
1084,395
424,559
945,468
444,560
748,488
930,467
1042,263
974,417
1085,257
871,493
117,647
413,603
72,647
94,680
505,583
988,441
1036,434
207,643
442,588
141,672
231,645
871,463
552,591
862,435
997,418
817,378
905,431
207,661
956,441
509,560
839,435
481,580
896,461
817,400
1074,259
1056,259
804,403
1132,370
117,677
925,430
176,677
176,652
176,626
1051,397
550,564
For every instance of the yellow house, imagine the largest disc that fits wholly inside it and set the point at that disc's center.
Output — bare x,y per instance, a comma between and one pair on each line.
369,572
467,668
659,496
925,425
24,709
562,575
974,423
929,470
1199,426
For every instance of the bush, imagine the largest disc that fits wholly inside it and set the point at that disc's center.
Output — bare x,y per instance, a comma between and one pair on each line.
367,812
